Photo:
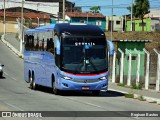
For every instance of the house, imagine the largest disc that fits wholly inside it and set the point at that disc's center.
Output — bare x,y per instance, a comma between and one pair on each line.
151,24
69,6
137,24
52,8
30,20
116,25
87,18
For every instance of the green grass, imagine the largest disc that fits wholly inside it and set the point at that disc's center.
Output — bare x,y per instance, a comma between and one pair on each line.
137,87
130,95
21,57
121,84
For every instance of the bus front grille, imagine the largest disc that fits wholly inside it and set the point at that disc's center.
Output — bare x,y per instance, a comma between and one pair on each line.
85,81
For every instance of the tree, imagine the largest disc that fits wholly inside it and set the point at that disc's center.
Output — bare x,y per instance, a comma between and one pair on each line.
95,9
140,8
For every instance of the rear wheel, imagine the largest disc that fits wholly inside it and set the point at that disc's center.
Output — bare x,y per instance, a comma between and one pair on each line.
95,92
32,83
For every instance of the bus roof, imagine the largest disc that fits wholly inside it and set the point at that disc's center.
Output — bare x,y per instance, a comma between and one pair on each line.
79,29
46,28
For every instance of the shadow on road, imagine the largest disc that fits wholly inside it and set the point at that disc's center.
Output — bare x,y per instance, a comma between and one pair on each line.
108,93
2,77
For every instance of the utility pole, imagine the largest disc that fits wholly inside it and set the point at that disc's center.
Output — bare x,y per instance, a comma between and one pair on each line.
21,28
63,11
131,14
112,23
4,22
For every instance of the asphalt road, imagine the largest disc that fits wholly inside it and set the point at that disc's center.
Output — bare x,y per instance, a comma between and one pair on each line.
15,95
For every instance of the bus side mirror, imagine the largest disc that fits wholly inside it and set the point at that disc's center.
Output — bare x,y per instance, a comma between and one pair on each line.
58,51
57,46
2,65
111,46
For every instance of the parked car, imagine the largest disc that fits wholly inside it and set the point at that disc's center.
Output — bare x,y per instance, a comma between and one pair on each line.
1,70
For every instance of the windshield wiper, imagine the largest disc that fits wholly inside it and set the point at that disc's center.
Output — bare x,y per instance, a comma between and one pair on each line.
78,66
94,67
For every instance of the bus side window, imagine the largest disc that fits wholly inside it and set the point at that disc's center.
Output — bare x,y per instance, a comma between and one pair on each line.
37,44
29,42
48,45
26,42
51,45
43,45
32,42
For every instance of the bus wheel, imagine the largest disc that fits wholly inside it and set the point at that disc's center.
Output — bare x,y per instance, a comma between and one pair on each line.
56,91
95,92
32,83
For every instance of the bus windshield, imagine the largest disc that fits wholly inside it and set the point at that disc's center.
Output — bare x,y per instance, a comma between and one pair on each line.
84,54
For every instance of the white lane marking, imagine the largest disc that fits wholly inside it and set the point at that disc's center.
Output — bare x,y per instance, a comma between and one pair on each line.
13,106
5,73
11,77
18,108
14,78
87,103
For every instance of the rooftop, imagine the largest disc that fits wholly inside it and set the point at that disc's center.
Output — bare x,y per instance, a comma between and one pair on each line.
25,15
89,14
142,41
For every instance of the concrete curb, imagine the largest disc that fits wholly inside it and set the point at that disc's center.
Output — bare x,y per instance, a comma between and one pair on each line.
11,47
138,96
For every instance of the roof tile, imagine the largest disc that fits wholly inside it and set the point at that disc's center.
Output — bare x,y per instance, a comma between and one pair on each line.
89,14
26,15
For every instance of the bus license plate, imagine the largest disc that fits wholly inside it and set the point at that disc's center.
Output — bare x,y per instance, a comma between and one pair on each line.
85,88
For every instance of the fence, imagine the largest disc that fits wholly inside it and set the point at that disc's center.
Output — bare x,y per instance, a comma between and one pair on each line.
141,68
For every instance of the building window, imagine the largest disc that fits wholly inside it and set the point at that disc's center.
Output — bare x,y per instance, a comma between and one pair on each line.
82,21
99,23
118,22
133,58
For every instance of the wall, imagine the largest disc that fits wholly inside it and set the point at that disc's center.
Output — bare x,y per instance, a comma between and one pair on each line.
131,46
155,25
90,21
138,27
116,27
12,26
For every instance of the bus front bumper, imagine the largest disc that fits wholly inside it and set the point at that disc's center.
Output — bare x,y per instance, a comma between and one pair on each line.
83,85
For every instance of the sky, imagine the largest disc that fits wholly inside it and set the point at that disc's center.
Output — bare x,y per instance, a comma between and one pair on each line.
120,6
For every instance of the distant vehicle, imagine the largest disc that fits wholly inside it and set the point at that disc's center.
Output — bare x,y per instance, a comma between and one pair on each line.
66,57
1,70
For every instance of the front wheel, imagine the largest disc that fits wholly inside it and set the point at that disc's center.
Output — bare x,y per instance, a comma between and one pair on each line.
55,90
95,92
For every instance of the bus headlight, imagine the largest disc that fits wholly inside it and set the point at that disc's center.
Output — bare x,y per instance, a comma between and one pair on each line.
65,77
103,78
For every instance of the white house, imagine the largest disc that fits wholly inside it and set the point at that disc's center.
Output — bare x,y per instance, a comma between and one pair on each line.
48,7
116,24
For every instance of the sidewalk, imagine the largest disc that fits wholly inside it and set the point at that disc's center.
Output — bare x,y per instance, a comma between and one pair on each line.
148,95
11,41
